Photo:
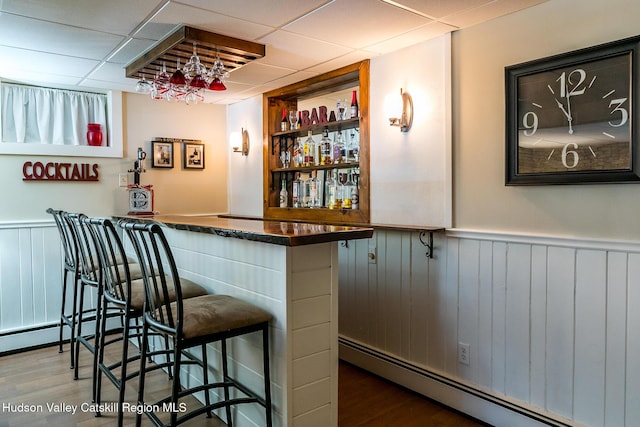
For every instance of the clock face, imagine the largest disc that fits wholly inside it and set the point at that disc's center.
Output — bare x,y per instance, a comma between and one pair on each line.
576,118
570,117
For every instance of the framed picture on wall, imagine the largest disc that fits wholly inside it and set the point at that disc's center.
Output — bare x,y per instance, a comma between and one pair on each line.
162,154
192,155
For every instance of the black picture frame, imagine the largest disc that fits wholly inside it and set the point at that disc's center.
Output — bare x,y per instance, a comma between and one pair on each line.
162,154
192,155
522,167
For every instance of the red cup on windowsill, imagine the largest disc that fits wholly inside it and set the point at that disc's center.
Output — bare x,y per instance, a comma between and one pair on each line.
94,134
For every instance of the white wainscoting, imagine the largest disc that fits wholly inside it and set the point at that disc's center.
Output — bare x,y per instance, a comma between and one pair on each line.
30,284
551,323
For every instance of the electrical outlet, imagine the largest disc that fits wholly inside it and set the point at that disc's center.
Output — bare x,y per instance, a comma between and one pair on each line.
123,179
372,254
463,353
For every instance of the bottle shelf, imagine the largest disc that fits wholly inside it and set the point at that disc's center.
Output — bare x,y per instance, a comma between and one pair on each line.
352,165
337,125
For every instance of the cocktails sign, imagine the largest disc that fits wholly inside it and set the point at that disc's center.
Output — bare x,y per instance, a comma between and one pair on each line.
54,171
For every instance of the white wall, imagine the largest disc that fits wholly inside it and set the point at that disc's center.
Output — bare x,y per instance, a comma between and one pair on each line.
245,172
411,172
176,191
480,54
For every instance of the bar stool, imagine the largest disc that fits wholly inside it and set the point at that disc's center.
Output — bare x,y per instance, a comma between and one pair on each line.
91,279
68,316
189,323
127,295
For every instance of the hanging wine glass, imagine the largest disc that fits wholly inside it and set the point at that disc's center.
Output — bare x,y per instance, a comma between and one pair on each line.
143,86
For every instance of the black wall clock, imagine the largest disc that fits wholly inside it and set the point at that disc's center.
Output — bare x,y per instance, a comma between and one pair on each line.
570,118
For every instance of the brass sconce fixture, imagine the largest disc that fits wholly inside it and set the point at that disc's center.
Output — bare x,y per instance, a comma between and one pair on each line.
244,150
400,111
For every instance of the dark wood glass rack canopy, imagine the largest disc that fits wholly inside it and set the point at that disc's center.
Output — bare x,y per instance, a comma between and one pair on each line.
233,52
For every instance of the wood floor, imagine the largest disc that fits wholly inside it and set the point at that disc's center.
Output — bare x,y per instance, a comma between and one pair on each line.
42,377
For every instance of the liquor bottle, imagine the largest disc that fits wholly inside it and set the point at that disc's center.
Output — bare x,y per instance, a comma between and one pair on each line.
330,192
298,153
296,191
354,146
348,192
309,149
355,193
338,149
306,192
284,195
354,105
314,193
325,147
284,121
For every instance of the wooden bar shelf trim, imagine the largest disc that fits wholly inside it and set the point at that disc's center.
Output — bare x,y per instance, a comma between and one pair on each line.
351,77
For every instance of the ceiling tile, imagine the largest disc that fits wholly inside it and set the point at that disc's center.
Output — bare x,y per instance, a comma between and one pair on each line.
491,10
30,61
99,15
348,59
376,22
290,50
175,14
55,38
439,8
426,32
256,73
131,51
266,12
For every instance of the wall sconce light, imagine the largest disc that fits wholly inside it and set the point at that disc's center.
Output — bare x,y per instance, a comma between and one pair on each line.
244,150
399,110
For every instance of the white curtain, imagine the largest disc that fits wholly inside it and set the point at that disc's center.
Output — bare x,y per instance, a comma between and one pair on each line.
38,115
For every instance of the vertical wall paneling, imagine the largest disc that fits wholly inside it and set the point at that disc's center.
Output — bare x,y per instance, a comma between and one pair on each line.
418,328
468,307
537,385
499,321
560,330
590,342
448,314
632,362
435,303
484,352
10,297
615,333
517,330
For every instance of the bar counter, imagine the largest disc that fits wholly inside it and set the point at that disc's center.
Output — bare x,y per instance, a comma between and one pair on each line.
291,270
267,231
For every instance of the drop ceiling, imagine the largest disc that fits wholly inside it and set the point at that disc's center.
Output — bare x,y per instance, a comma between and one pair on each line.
88,43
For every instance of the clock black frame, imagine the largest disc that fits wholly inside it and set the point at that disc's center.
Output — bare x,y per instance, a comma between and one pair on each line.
514,72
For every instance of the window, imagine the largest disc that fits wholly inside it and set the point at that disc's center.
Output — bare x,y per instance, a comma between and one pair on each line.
49,121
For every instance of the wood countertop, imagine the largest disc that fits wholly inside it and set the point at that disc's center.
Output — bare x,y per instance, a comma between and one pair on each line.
267,231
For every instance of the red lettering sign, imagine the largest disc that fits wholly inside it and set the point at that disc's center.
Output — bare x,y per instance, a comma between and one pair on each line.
53,171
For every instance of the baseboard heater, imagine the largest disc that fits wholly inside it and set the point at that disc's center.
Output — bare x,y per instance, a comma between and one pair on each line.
458,395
